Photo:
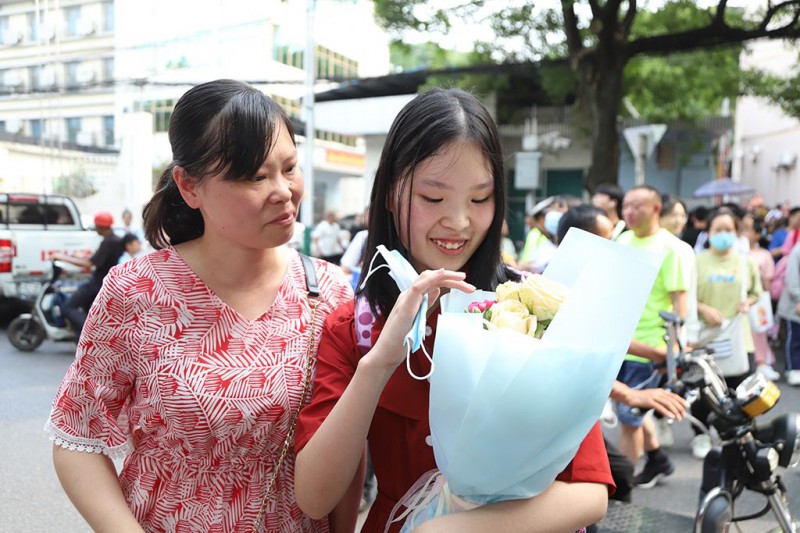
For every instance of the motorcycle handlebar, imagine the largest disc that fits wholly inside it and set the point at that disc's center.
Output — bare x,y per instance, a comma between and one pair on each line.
701,358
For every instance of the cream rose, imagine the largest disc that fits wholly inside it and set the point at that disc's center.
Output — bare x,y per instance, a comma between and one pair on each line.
512,314
542,296
508,291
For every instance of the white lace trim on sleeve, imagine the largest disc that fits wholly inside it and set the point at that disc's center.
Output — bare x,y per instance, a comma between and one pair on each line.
81,444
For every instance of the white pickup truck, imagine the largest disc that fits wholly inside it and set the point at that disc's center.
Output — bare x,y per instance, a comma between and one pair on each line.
33,227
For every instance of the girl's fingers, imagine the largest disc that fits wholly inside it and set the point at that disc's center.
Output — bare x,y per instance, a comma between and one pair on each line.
441,278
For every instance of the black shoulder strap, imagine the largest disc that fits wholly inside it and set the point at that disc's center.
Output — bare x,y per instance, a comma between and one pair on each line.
311,276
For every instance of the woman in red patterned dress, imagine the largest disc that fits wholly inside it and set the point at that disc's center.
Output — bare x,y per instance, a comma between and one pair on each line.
193,359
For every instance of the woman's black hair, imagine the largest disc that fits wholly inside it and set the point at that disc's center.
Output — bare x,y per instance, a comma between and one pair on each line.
129,238
424,128
722,211
669,202
583,216
223,126
614,192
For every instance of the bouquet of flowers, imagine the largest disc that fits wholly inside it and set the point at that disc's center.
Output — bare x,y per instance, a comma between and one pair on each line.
527,307
508,410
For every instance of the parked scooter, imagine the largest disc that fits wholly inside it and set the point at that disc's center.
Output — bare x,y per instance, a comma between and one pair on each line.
45,321
748,454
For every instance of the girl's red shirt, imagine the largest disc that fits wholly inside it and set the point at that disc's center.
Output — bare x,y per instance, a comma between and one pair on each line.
399,427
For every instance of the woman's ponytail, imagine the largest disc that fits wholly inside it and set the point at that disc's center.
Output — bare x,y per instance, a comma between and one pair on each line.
168,220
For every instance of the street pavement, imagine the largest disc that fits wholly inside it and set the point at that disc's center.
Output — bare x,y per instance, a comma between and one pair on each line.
31,499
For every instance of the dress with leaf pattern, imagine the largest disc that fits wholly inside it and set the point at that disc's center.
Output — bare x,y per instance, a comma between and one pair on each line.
198,398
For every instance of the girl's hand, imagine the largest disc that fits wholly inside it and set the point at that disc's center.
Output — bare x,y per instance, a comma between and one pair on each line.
711,316
663,401
389,350
744,306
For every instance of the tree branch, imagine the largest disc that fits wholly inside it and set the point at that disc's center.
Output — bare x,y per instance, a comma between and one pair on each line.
773,10
574,41
719,17
596,14
711,35
612,8
630,15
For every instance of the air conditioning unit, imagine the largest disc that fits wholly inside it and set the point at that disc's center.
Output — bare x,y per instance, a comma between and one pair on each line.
85,138
47,77
47,31
12,79
787,160
85,74
13,125
12,37
85,27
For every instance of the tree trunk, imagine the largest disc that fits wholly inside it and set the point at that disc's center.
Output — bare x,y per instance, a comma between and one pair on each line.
604,98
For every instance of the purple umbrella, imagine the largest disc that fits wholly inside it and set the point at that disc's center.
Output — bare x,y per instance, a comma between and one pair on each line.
723,187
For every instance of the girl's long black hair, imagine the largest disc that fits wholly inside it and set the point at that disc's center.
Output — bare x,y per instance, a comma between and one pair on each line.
423,128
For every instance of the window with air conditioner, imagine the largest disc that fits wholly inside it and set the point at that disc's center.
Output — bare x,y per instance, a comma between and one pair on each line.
9,35
13,125
47,77
85,74
85,27
85,138
11,79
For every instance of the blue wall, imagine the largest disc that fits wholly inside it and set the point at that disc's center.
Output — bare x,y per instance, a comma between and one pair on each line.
688,171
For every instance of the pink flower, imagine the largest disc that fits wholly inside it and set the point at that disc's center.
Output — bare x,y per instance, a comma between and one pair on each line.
480,307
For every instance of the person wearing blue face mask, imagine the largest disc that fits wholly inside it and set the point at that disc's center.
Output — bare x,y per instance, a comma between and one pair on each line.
728,283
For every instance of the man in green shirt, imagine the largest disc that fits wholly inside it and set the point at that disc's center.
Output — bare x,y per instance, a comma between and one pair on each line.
641,208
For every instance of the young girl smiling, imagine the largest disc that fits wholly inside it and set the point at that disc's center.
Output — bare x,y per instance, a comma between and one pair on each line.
439,199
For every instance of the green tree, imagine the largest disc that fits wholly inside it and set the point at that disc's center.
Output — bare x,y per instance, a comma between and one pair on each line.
784,92
602,38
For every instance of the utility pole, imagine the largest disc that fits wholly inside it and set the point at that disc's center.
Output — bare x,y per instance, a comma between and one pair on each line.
309,62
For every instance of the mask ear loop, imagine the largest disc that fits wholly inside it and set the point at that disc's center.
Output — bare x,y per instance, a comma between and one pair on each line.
406,342
428,356
371,271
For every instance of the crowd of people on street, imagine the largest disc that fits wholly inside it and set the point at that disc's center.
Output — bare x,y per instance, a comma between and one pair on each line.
252,388
718,264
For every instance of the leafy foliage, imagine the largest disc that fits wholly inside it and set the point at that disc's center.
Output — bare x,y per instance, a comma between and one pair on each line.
77,184
783,92
676,62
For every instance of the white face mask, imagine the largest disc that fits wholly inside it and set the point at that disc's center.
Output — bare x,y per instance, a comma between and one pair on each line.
404,275
551,220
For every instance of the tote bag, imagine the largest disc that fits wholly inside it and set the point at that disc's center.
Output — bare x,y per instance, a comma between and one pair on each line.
727,341
761,318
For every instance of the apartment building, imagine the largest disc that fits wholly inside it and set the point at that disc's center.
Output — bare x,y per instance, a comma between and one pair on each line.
57,71
79,73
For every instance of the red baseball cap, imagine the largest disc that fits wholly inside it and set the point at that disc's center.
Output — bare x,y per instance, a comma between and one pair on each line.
103,219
